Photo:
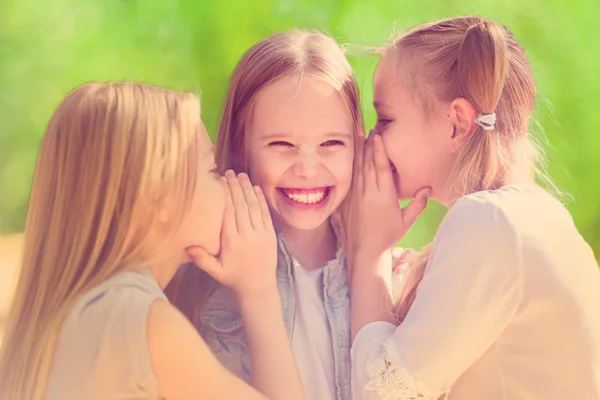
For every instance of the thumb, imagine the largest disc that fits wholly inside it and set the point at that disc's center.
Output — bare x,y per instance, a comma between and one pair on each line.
206,262
412,211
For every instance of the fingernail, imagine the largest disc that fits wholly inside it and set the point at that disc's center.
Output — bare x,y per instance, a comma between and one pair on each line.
242,176
230,173
428,193
191,251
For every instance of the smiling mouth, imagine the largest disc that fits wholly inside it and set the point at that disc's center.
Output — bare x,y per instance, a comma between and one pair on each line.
312,196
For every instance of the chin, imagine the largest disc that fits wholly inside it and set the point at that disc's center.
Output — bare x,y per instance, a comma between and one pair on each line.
404,192
305,224
215,250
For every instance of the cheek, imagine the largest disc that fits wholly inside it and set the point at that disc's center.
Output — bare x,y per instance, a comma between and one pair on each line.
261,171
220,200
213,211
267,172
340,166
407,148
209,207
394,143
268,168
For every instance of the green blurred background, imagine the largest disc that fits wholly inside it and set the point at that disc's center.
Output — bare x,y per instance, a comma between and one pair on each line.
47,47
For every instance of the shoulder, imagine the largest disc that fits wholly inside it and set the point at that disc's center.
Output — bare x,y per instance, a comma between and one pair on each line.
107,330
483,228
116,312
511,202
489,213
120,298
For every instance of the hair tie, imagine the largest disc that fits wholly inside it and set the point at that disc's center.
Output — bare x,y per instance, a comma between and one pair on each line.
486,121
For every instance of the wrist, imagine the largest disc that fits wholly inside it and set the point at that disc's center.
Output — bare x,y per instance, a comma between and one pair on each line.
255,285
263,308
258,297
370,260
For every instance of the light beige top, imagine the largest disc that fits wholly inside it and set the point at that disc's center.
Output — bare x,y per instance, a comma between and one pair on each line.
103,349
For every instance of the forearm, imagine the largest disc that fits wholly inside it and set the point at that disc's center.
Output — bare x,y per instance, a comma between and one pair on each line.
371,291
274,370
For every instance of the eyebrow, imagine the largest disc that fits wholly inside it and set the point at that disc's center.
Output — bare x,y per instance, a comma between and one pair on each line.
272,136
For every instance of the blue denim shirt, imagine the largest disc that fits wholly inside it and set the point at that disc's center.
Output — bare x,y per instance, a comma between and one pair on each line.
223,331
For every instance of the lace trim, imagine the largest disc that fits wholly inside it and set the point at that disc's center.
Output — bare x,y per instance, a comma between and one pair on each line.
392,382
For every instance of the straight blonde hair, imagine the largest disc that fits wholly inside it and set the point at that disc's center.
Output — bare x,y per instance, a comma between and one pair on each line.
111,154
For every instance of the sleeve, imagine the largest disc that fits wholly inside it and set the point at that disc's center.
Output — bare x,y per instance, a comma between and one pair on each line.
222,328
470,291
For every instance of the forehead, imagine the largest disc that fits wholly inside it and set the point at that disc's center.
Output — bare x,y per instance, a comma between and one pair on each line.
389,85
387,74
293,105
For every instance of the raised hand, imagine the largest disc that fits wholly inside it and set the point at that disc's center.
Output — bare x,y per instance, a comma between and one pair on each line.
248,255
377,221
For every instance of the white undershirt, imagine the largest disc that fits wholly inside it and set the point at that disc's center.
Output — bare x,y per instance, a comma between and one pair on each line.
311,340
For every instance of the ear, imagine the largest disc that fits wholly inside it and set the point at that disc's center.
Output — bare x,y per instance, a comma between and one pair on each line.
462,114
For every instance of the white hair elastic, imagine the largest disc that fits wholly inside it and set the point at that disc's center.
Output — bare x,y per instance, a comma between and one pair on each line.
486,121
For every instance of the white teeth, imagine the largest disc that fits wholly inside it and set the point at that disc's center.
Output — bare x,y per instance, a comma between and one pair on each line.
306,198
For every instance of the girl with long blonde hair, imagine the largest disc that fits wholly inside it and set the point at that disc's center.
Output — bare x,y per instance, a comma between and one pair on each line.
125,190
504,303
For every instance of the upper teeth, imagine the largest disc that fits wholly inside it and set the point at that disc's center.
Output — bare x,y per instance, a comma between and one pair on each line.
308,198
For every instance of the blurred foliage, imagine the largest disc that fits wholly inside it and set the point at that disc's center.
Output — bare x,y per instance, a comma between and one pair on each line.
49,47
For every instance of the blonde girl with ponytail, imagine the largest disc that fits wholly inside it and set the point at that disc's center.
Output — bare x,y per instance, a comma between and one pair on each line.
504,303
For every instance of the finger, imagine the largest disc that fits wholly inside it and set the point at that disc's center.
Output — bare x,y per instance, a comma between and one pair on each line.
358,162
383,170
411,212
254,210
206,262
368,167
264,208
242,218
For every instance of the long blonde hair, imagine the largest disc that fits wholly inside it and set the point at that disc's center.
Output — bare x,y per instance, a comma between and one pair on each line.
479,60
111,154
285,54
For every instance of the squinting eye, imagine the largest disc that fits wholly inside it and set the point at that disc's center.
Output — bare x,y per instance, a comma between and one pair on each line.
280,143
214,171
331,143
383,121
